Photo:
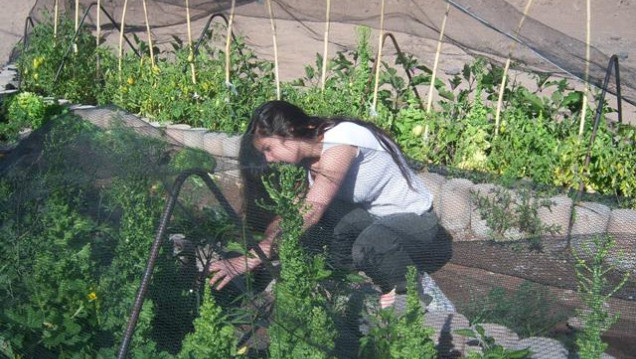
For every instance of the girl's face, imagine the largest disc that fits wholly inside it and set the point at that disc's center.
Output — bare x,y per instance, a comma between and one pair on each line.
279,149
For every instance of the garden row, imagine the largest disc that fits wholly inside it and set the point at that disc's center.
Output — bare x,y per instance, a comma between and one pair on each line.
457,204
538,136
79,240
465,208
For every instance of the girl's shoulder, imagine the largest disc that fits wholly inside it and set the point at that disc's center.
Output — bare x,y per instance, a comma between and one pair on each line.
350,133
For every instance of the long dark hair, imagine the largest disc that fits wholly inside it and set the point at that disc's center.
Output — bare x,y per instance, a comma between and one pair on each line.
283,119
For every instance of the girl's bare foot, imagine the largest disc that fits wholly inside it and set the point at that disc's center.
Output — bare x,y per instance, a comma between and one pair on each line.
387,299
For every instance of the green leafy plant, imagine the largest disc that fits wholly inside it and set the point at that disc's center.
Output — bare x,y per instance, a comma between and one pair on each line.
504,210
24,110
401,336
490,349
213,335
165,93
527,311
595,290
302,327
60,314
474,141
524,148
79,79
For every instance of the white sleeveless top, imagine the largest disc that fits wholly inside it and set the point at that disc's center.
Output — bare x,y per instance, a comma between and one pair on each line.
374,180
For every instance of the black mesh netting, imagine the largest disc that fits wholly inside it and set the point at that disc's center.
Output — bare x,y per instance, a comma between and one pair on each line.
93,209
485,28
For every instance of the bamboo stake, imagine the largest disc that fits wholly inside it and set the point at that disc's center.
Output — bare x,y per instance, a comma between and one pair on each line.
121,36
378,60
76,23
97,36
587,67
436,62
99,24
152,52
191,55
429,101
325,49
55,18
504,78
228,41
271,19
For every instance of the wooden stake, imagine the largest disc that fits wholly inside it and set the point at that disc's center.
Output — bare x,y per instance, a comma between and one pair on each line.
429,103
152,52
191,55
378,60
271,19
228,41
97,36
325,49
55,18
587,67
99,24
76,23
502,87
121,36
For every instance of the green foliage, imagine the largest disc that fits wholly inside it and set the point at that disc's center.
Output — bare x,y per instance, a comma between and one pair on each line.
524,148
188,158
60,278
77,226
504,210
213,336
538,136
166,92
401,336
413,338
24,110
143,345
348,84
79,79
527,311
595,289
474,139
490,349
302,327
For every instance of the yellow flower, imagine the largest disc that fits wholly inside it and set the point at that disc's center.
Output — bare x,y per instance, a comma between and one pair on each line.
92,296
242,351
37,62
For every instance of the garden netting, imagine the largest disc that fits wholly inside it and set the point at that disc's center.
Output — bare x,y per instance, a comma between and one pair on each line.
487,28
108,220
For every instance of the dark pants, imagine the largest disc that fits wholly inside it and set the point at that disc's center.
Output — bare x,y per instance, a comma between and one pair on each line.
382,247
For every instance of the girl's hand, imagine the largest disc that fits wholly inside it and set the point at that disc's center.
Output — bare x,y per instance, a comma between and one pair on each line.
225,270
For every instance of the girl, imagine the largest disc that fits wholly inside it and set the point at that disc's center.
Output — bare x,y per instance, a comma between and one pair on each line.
366,205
